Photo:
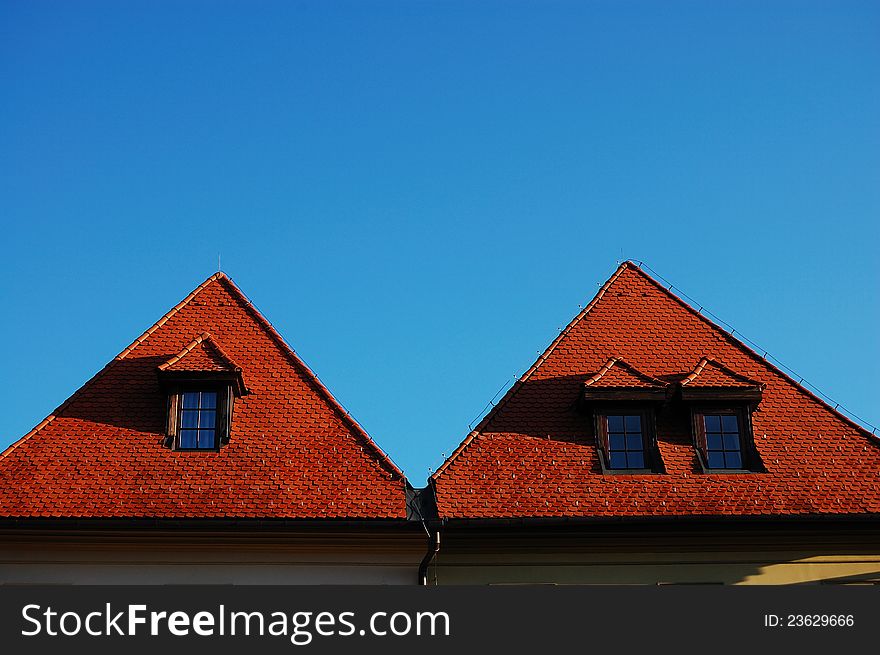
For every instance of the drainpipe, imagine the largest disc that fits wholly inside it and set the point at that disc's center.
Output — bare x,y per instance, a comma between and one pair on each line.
433,549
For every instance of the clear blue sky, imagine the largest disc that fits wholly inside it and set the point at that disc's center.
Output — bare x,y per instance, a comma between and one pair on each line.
418,195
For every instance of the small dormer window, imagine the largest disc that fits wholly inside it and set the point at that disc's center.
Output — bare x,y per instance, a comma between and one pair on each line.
201,383
722,402
198,420
624,404
626,440
723,437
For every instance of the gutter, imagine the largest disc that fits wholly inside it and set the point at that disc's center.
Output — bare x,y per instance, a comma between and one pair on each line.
433,549
421,507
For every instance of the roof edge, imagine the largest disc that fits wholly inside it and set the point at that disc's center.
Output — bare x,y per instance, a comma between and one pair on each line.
534,367
125,352
313,378
872,438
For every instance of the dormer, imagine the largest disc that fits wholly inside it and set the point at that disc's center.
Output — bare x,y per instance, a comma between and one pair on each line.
201,383
721,403
624,403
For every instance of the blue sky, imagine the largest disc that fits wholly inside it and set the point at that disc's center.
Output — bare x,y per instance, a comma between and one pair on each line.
419,194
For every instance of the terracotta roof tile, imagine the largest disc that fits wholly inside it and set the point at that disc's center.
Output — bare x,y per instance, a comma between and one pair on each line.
294,452
534,453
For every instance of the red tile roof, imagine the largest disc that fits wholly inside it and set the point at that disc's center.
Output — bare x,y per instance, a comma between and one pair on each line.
712,374
293,453
617,374
201,354
534,454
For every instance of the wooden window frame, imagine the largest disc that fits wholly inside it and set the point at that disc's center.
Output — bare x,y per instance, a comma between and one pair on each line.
223,417
751,459
651,454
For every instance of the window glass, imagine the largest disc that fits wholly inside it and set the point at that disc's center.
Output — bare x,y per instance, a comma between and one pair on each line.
198,420
635,460
732,460
626,444
616,442
615,424
723,443
189,438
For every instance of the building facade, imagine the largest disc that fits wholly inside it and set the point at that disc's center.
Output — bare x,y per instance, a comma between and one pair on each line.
647,445
205,452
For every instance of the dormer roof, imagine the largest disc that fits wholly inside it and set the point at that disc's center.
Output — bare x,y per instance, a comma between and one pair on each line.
202,354
617,380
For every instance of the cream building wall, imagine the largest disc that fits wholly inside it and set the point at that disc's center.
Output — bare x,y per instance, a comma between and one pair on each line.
212,559
658,558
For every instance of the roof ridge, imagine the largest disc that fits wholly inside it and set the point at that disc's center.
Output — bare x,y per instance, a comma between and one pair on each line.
534,367
729,336
313,378
125,352
219,275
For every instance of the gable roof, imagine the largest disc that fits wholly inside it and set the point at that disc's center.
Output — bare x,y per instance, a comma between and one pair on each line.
534,454
294,452
201,354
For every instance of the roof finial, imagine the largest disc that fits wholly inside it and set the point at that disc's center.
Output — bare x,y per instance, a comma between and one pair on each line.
218,263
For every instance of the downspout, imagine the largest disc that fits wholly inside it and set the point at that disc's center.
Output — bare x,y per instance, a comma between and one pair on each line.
433,549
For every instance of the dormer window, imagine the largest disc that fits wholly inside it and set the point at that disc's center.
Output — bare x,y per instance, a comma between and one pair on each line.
623,402
202,384
722,402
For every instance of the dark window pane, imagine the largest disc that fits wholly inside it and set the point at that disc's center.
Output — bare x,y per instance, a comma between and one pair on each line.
716,460
191,399
634,442
731,442
712,423
729,423
615,424
206,438
634,423
209,399
616,442
713,441
206,419
636,460
189,418
734,461
618,460
188,438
